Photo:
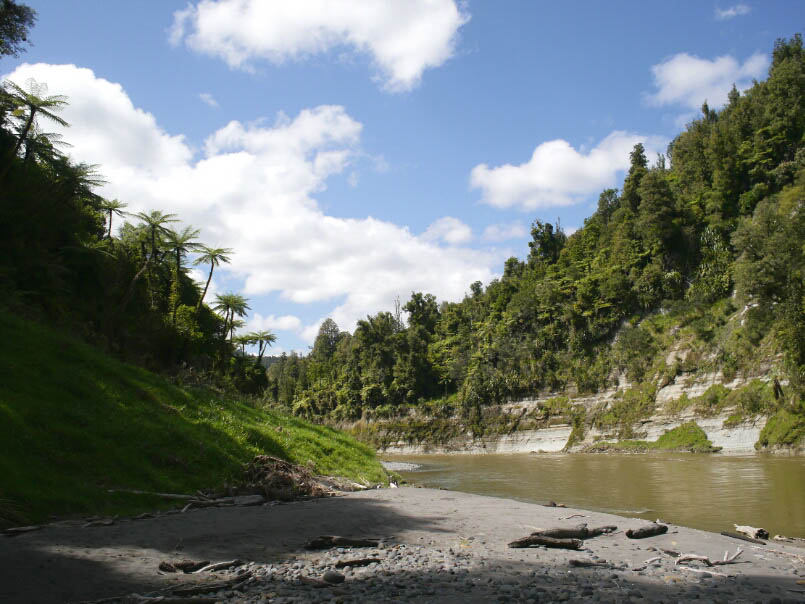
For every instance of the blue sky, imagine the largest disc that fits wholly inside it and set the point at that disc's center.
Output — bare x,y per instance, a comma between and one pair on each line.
353,151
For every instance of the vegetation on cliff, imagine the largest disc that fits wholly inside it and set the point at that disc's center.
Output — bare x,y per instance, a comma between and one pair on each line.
701,249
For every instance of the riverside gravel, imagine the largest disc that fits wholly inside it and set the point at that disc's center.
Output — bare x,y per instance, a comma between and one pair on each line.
405,573
435,546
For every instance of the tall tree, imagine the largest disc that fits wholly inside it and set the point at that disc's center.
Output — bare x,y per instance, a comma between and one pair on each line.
42,145
263,339
546,242
326,341
155,222
113,206
30,103
231,305
638,168
15,21
179,243
212,256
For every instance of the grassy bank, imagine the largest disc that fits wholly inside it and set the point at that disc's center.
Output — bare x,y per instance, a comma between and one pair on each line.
75,423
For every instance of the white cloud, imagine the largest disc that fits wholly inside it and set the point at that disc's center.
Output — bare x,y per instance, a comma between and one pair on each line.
504,232
737,10
208,99
253,191
559,175
402,38
448,229
258,322
689,80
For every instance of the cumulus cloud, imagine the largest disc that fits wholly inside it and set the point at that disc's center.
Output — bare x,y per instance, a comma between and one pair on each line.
258,322
403,39
208,99
448,229
253,190
559,175
738,10
503,232
689,80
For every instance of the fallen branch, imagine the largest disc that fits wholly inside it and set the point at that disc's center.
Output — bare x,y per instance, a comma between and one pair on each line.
328,541
651,530
19,530
185,566
538,539
646,563
152,494
358,562
218,566
578,532
695,557
101,522
572,516
742,537
751,531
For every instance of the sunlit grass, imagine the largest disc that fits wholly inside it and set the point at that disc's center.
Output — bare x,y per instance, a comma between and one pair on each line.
75,423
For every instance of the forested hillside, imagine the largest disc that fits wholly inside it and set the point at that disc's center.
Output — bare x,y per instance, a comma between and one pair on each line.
82,263
707,240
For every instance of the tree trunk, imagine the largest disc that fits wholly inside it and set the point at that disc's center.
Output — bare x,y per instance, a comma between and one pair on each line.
204,293
130,291
14,151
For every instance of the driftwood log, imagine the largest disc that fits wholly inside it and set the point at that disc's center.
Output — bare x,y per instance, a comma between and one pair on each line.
19,530
751,531
537,540
579,531
735,535
328,541
357,562
152,494
651,530
219,566
185,566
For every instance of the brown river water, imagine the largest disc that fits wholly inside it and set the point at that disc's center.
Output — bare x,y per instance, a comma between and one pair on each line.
709,492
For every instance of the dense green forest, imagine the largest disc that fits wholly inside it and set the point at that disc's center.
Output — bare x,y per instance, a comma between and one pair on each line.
79,429
710,234
126,290
706,236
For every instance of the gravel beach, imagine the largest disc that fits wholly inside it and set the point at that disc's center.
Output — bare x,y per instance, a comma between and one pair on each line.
434,546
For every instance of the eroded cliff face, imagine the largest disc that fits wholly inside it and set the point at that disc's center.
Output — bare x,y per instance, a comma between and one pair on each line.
729,428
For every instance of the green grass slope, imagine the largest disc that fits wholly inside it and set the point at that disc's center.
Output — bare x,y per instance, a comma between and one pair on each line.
75,423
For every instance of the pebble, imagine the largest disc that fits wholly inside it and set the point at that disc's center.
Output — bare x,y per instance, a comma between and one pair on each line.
461,575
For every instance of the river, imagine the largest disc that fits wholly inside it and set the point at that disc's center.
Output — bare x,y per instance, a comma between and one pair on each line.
709,492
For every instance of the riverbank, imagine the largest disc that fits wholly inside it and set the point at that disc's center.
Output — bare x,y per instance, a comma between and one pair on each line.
434,546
